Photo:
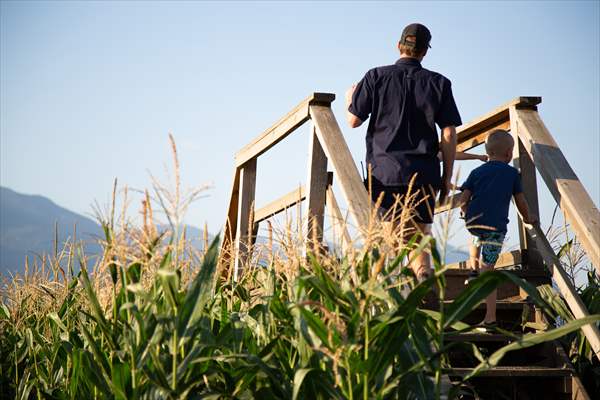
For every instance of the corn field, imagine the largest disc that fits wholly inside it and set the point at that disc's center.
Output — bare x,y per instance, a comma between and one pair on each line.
154,319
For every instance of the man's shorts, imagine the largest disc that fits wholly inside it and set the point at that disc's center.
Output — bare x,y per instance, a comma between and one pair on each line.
422,200
491,245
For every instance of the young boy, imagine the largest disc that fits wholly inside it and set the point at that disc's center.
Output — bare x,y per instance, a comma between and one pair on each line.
485,200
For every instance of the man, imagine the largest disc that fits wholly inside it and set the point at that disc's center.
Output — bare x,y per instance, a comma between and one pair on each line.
404,102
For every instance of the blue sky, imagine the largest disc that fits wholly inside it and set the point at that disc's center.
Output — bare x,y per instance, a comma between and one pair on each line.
90,90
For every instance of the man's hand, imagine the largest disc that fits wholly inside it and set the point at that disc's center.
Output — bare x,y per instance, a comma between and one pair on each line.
349,94
483,157
447,188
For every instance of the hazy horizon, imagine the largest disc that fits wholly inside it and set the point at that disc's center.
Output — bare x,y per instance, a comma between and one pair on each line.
90,90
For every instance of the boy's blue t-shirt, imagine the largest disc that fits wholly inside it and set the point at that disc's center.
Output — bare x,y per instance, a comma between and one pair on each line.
492,186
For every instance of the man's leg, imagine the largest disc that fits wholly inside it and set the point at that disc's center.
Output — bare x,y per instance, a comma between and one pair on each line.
421,264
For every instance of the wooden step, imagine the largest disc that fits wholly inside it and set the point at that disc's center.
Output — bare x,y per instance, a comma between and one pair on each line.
516,371
541,355
455,282
509,314
525,383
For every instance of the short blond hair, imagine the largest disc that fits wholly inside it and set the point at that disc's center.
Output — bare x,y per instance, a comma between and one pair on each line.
499,142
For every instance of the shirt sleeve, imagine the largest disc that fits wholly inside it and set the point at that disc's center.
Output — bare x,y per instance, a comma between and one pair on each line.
362,99
517,186
447,114
468,184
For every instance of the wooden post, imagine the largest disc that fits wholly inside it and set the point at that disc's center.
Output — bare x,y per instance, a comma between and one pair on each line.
335,147
338,222
565,286
316,188
245,225
523,162
567,190
228,243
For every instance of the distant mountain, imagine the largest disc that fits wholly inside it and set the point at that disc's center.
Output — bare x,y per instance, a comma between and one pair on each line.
28,224
27,228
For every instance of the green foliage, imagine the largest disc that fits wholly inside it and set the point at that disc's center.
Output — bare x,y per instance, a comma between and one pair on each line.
315,335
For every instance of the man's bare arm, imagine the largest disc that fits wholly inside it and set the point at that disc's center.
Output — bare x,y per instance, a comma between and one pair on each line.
448,148
352,119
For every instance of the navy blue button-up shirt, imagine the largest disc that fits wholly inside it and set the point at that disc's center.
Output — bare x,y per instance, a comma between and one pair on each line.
404,101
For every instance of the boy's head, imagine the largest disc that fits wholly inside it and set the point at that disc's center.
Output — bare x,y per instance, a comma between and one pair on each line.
499,145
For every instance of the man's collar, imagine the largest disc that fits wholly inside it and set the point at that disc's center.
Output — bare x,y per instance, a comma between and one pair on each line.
408,61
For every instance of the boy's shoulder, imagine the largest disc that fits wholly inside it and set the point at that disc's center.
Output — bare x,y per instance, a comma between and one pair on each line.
497,166
493,168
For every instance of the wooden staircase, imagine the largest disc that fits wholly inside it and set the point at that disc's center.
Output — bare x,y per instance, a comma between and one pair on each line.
539,372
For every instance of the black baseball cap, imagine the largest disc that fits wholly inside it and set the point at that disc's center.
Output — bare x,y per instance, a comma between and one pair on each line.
421,34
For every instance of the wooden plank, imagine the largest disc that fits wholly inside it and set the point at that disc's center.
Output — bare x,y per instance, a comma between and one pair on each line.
565,286
316,189
578,391
281,128
580,211
474,133
468,141
335,147
450,204
245,223
230,224
338,222
523,162
510,371
505,260
281,204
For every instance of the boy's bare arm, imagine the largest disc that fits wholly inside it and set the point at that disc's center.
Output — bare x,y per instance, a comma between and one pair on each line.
464,199
523,208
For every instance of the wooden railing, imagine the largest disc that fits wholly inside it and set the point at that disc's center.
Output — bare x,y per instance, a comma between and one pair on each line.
535,149
327,145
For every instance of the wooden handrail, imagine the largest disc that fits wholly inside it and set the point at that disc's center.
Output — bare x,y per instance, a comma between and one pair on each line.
474,133
282,128
281,204
565,286
580,211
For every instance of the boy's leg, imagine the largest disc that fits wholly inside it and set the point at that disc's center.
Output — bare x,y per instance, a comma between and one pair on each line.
490,301
490,250
474,251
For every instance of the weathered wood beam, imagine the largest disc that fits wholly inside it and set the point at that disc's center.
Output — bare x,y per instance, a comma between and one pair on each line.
475,132
580,211
335,147
449,204
282,128
281,204
523,162
245,225
338,222
505,260
565,286
316,189
227,245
